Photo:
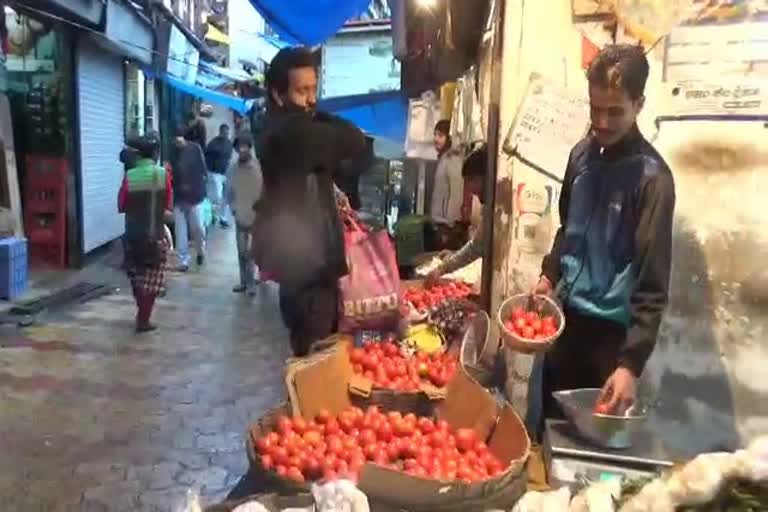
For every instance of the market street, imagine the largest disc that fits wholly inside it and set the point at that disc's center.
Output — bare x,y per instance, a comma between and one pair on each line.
96,418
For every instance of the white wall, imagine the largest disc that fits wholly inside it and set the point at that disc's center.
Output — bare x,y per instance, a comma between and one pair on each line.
707,362
245,23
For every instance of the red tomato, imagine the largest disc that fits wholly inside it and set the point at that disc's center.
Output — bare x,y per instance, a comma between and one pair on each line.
385,432
279,455
284,424
518,312
267,462
426,425
528,333
530,317
263,445
312,468
602,408
282,471
295,475
520,324
357,355
330,475
537,325
367,436
299,425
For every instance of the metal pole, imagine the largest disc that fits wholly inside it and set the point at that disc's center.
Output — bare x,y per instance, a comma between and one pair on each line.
493,138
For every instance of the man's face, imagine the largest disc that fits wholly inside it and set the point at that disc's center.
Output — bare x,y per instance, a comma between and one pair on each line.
244,151
302,90
441,140
179,141
613,113
224,133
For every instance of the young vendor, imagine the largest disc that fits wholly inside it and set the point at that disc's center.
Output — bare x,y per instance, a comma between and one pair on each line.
611,256
473,171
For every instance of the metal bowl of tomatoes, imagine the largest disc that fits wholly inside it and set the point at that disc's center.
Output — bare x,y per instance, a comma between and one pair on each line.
582,409
530,323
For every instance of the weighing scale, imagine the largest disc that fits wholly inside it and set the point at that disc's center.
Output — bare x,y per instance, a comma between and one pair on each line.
570,460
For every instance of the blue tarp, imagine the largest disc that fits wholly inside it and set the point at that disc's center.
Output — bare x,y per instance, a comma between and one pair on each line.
239,105
382,115
308,22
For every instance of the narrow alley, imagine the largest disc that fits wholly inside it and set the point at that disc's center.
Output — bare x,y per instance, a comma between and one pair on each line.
97,418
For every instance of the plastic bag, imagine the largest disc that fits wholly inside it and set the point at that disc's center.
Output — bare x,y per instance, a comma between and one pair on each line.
340,496
369,295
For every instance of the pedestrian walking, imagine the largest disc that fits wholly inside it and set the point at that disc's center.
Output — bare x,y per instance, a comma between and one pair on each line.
145,197
189,188
244,189
297,234
218,157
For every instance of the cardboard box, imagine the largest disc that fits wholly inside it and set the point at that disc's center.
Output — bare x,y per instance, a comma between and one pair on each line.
323,383
321,378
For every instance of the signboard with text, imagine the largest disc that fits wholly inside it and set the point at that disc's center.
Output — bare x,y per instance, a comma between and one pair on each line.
743,97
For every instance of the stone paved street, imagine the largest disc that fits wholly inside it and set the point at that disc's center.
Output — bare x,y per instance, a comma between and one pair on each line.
93,418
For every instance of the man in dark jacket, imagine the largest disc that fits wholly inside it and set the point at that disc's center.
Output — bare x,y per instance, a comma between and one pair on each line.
189,188
612,255
218,156
298,236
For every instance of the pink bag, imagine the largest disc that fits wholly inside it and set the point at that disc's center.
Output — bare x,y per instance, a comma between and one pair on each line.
369,295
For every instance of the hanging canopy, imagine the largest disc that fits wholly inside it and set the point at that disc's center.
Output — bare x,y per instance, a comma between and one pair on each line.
308,22
382,115
239,105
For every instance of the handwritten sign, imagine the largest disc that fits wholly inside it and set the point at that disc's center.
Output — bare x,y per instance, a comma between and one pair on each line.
550,121
730,97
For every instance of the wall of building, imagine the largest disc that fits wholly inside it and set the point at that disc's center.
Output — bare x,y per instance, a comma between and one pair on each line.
245,25
705,366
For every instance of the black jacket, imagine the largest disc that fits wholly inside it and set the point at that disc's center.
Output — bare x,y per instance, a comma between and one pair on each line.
189,174
612,253
297,233
218,155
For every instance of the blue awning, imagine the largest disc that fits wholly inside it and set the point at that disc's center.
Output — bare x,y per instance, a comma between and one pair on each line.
239,105
383,115
308,22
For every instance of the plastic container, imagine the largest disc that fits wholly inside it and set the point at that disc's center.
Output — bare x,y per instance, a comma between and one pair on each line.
13,268
479,350
542,305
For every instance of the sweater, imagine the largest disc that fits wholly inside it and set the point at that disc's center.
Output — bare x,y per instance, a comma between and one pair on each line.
244,189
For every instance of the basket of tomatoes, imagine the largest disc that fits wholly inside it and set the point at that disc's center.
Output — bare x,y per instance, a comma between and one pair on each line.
530,323
401,379
421,300
292,452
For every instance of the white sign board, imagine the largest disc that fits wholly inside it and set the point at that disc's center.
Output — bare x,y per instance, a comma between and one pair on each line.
550,121
356,63
701,52
727,97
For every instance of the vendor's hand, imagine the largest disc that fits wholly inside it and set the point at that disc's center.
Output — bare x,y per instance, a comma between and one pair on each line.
444,254
620,391
543,287
432,278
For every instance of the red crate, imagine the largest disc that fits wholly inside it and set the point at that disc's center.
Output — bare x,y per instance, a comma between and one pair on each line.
45,171
48,255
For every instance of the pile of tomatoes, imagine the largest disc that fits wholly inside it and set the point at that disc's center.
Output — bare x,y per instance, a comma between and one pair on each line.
328,447
385,365
530,325
423,299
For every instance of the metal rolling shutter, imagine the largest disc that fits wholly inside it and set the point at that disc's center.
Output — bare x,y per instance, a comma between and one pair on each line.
101,112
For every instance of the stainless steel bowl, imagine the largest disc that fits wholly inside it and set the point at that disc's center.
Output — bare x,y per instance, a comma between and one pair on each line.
604,430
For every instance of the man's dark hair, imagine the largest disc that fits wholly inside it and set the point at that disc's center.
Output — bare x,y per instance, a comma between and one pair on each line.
244,138
148,146
181,131
277,77
443,126
620,66
476,163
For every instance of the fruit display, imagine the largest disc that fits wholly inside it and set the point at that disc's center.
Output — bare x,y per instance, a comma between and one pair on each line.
423,299
332,447
451,317
530,325
389,367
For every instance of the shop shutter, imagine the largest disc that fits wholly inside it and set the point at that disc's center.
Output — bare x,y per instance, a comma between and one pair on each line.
101,113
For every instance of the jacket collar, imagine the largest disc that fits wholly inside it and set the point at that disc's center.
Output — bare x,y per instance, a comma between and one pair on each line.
625,146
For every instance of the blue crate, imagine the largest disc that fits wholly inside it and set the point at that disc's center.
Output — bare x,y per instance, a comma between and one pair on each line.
13,268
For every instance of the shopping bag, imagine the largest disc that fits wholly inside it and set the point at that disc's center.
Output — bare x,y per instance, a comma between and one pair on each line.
369,295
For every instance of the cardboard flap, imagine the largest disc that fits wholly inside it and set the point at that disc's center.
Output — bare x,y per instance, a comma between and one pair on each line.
510,441
322,383
360,386
468,405
379,483
433,392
